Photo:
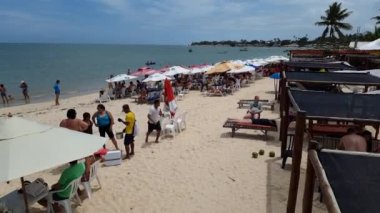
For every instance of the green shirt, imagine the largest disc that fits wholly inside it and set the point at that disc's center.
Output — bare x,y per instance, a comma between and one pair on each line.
68,175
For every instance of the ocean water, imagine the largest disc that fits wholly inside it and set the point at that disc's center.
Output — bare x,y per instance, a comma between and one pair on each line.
83,68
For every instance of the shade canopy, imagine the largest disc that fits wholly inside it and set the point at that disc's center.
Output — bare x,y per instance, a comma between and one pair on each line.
337,105
176,70
143,71
373,45
354,179
156,77
27,147
223,67
197,70
316,65
333,77
121,77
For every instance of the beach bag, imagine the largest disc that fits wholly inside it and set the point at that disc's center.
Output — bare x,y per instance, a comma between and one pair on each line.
135,129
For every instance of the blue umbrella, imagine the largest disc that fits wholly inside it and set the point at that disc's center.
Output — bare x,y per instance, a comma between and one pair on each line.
276,75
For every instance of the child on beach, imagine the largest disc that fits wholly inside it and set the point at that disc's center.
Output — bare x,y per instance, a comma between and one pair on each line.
57,91
87,119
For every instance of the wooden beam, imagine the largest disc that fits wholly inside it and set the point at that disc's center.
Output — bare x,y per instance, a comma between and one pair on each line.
329,197
296,162
24,195
307,205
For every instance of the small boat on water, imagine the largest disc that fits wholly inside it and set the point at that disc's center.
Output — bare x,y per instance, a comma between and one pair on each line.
190,50
148,63
244,49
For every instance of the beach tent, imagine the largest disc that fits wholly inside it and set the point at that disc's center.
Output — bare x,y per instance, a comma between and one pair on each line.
373,45
156,77
176,70
27,147
143,71
223,67
121,77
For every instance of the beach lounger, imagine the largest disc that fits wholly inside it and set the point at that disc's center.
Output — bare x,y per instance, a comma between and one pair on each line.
264,103
236,124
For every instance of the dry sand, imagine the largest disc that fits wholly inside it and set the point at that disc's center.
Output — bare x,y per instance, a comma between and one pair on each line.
202,169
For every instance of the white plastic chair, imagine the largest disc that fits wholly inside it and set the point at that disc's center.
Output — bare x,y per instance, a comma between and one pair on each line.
168,127
180,96
180,122
73,186
93,175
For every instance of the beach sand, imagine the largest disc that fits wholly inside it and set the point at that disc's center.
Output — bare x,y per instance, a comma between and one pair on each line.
202,169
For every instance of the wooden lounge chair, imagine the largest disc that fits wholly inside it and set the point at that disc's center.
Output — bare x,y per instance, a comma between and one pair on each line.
236,124
244,103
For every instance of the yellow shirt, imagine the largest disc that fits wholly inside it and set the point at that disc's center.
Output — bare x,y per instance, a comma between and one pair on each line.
130,119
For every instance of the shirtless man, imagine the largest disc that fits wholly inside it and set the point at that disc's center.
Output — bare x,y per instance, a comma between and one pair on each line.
352,142
72,122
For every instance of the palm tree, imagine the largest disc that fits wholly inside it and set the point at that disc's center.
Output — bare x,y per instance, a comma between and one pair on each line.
333,21
377,18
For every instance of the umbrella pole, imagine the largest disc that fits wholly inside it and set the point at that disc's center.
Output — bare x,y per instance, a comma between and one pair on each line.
24,195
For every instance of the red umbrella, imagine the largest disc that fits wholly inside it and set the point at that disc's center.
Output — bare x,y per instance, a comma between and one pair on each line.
143,71
169,97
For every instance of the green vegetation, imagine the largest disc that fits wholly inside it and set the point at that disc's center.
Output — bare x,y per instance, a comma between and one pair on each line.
332,35
333,21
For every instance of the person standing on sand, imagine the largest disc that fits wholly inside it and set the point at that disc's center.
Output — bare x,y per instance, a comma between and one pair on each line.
104,121
24,89
154,116
57,91
72,122
129,123
3,93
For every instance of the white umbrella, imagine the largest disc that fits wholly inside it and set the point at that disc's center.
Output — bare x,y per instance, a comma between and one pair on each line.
121,77
156,77
175,70
28,147
196,70
244,69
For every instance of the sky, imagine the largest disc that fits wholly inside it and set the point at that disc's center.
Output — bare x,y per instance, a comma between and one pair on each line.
170,21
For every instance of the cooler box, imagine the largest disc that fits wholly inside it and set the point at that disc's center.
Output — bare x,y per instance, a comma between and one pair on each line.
112,158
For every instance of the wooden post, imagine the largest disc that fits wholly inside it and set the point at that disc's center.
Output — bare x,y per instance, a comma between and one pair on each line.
281,106
307,205
24,195
284,121
296,162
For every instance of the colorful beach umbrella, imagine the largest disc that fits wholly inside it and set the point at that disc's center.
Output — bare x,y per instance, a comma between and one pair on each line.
169,97
223,67
143,71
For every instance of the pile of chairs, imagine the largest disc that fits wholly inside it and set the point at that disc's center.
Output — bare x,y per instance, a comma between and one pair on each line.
173,125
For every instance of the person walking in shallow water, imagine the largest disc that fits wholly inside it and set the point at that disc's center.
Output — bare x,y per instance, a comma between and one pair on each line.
3,93
24,89
57,91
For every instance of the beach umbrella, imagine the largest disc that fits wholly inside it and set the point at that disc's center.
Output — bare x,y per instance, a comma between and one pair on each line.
176,70
202,69
223,67
27,147
156,77
244,69
143,71
121,77
169,97
275,76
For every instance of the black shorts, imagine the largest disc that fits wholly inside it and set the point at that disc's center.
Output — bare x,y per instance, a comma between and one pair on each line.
156,126
106,129
128,139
